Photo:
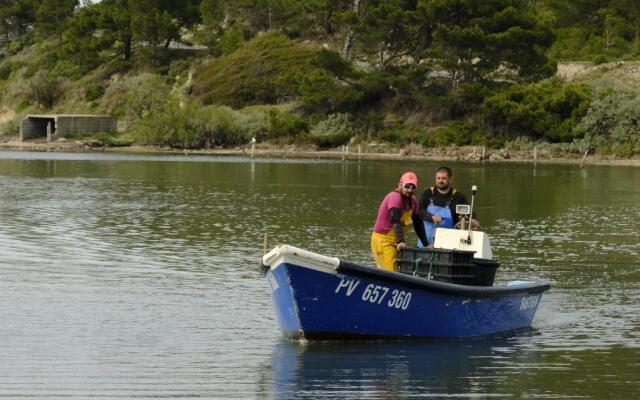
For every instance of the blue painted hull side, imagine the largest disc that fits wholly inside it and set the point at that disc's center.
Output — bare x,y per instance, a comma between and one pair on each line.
316,304
284,302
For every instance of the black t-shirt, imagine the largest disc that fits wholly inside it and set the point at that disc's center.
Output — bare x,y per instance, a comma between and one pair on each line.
441,200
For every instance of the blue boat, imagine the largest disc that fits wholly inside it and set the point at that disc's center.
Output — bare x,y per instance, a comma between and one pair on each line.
320,297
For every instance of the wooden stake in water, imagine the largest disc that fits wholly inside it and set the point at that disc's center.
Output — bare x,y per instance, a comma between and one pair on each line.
359,152
483,157
265,244
584,157
535,153
253,147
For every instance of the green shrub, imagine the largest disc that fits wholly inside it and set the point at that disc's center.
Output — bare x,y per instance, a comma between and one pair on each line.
264,70
67,69
178,67
368,122
10,127
44,89
286,124
458,134
111,140
600,59
134,97
6,69
550,110
321,91
403,135
20,42
611,124
223,126
333,131
193,126
94,91
171,125
231,40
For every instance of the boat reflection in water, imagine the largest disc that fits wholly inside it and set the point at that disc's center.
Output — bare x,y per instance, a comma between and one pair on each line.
453,368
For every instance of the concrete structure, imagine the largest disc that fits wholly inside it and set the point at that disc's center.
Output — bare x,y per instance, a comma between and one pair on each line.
55,126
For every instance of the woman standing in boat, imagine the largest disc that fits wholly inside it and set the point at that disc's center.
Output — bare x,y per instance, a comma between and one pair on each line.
398,210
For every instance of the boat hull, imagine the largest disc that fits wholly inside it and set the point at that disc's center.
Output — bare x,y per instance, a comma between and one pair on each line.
354,301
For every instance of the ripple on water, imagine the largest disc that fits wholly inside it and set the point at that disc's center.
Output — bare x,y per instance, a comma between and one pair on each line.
128,284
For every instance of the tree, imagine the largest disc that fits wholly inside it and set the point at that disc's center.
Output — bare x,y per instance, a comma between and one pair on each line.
156,22
388,28
473,38
51,16
83,40
16,16
114,25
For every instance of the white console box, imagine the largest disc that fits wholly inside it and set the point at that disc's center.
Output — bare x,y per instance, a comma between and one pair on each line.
456,239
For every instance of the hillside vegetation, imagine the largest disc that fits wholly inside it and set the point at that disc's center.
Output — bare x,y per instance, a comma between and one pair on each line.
322,73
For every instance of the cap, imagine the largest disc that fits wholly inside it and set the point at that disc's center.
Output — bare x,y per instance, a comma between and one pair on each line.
409,177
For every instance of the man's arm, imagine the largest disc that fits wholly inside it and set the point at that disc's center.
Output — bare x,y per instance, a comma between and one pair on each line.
419,228
396,224
425,198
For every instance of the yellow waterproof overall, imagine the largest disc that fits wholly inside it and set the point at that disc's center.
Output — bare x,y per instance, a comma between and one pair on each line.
383,246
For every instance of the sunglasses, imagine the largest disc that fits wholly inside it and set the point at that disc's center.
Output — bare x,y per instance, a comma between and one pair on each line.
410,186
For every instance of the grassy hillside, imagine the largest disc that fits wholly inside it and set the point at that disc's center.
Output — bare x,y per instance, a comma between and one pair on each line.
224,102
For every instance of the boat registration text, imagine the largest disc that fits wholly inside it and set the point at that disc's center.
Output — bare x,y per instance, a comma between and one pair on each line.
375,294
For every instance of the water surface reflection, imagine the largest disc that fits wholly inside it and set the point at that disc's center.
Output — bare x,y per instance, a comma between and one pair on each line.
395,370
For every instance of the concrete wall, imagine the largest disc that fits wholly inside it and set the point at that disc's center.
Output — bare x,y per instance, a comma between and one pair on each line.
34,127
64,125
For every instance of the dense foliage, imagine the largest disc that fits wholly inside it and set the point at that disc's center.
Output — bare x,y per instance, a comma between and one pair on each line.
191,73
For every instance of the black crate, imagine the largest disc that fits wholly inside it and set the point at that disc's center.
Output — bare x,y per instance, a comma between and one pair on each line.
437,256
485,272
451,266
455,266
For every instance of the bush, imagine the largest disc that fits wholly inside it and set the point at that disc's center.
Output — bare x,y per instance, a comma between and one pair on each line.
333,131
10,127
44,89
321,91
286,124
600,59
67,69
110,140
94,91
194,126
403,135
6,69
223,127
171,125
458,134
134,97
259,72
611,124
231,40
548,111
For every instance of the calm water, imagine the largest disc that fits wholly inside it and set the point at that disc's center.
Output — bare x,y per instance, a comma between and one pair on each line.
135,277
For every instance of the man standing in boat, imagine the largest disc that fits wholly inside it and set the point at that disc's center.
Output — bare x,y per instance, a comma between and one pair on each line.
398,210
438,205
